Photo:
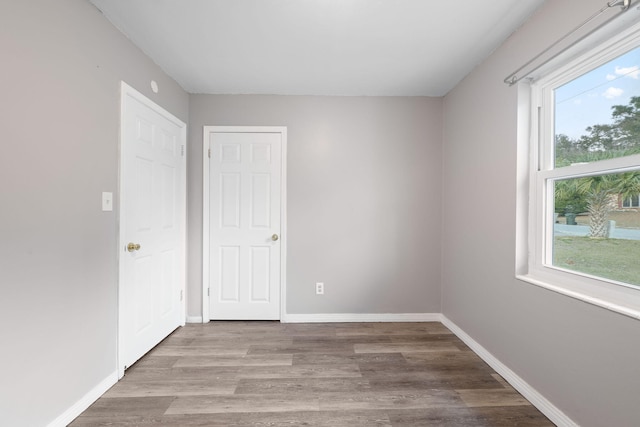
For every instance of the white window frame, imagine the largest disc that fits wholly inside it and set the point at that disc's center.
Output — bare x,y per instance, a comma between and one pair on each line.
536,175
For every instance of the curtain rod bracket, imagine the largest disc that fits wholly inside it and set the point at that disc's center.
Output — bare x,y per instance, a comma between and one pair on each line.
624,4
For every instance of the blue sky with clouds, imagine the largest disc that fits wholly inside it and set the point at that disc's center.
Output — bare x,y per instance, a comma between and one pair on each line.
588,99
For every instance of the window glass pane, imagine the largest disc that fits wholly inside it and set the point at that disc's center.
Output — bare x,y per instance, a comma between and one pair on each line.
597,115
631,202
593,234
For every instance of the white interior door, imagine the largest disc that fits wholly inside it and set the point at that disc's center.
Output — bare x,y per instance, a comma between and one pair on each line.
245,176
152,226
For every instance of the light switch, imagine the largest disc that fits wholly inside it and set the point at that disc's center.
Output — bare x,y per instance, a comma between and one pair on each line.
107,201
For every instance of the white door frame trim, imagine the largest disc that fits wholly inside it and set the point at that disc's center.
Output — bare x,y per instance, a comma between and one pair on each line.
282,130
125,91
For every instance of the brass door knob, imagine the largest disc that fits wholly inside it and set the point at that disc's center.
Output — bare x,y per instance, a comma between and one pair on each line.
274,237
133,247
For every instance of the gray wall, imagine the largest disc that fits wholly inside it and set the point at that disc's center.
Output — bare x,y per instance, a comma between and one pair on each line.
366,189
581,357
364,185
62,63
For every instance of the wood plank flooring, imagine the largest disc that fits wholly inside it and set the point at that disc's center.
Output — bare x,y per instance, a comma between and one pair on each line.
235,374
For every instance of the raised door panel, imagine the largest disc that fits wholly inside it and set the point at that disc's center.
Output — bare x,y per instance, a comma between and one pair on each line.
260,274
229,268
260,206
229,200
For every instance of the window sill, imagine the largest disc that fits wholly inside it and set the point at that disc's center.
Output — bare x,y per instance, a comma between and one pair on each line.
628,310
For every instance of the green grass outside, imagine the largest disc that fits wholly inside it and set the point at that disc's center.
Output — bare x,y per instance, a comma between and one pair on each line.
616,259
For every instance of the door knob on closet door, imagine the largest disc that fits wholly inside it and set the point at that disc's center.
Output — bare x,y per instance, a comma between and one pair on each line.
274,237
133,247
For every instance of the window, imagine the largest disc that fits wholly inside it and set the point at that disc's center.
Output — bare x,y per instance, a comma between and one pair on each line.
631,201
583,162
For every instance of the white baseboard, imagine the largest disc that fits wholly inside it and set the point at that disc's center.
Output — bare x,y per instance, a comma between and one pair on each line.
361,317
194,319
72,413
556,416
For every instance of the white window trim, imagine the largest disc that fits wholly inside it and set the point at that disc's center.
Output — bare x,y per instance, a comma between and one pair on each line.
534,233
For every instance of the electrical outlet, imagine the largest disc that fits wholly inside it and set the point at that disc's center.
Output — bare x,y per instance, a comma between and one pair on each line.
319,288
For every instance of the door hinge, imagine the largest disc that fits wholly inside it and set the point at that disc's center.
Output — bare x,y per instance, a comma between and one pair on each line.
181,294
209,153
208,292
182,151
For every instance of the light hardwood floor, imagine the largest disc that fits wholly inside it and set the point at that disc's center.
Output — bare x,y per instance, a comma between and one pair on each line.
339,374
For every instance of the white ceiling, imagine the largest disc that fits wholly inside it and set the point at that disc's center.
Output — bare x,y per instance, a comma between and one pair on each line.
318,47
